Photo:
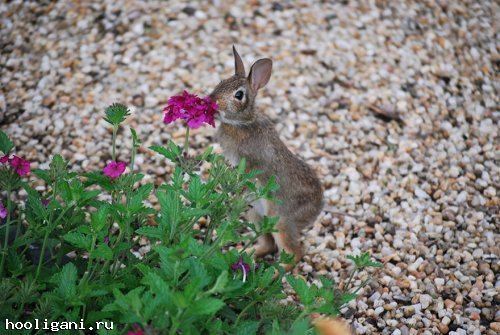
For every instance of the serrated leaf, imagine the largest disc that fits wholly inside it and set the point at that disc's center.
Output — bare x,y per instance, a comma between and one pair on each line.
266,278
116,114
167,153
170,211
57,167
103,251
155,282
300,327
301,288
78,240
363,261
206,306
66,281
248,328
149,231
98,219
220,283
136,142
5,143
142,193
42,174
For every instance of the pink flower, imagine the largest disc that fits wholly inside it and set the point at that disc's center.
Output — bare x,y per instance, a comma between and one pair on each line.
136,331
4,159
3,211
193,109
240,265
21,166
114,169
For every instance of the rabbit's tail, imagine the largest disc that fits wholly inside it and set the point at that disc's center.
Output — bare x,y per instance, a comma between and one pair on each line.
331,326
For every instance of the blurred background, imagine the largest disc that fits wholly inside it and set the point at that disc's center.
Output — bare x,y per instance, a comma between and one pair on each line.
394,104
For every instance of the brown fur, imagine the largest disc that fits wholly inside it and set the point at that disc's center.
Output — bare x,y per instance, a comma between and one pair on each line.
247,133
329,326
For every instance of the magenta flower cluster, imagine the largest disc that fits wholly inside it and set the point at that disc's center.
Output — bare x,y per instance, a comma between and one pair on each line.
190,107
114,169
3,211
21,166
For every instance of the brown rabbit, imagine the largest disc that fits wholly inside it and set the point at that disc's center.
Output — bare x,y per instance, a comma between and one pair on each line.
247,133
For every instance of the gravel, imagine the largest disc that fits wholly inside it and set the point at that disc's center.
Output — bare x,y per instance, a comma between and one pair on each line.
394,103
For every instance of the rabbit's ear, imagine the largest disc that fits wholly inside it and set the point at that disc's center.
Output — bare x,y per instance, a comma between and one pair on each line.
239,68
260,73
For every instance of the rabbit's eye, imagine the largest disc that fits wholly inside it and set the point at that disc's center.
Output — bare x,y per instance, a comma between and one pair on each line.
239,95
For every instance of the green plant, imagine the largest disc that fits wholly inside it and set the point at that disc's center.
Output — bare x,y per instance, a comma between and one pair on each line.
69,253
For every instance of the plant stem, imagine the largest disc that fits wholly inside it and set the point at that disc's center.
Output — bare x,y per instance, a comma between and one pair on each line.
115,130
186,142
7,227
40,259
89,264
363,284
117,264
132,159
346,288
49,227
175,325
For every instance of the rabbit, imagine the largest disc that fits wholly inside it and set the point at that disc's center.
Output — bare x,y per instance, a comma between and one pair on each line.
247,133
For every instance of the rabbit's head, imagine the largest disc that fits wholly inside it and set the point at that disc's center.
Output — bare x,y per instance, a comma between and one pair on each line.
236,95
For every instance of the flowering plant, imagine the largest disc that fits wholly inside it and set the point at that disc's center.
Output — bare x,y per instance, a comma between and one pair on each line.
19,165
193,109
104,245
114,169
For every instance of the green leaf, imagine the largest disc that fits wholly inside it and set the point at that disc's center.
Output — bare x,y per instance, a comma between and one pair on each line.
172,152
103,251
5,143
363,261
220,283
66,281
34,203
242,166
270,188
300,327
206,154
98,219
116,114
347,297
42,174
79,240
142,193
206,306
136,142
301,288
247,328
150,231
266,278
58,167
170,211
156,283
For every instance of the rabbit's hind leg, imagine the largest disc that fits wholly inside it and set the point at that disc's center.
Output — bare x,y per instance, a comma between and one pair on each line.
288,239
265,243
264,246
